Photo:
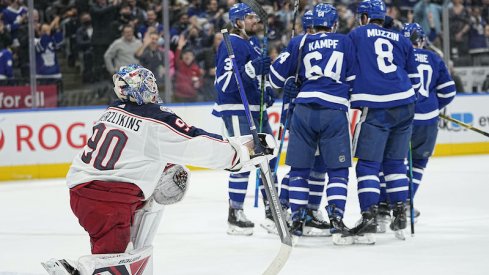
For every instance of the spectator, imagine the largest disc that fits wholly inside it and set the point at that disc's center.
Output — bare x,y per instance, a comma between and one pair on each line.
125,18
208,60
150,22
152,56
346,19
459,28
6,70
84,42
188,75
121,51
102,15
214,14
477,39
14,16
5,37
47,65
422,12
137,12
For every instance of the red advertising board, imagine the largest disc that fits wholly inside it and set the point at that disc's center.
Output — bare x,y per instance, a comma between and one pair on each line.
18,97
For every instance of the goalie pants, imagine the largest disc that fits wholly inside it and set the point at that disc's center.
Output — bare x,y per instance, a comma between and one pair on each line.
106,211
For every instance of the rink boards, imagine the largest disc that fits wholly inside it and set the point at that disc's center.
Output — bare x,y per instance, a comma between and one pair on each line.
41,143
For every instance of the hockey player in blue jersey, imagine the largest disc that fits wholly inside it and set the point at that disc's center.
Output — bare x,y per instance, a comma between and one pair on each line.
320,118
384,90
316,226
230,107
436,91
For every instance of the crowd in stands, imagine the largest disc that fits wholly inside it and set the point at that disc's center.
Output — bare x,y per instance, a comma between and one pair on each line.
97,36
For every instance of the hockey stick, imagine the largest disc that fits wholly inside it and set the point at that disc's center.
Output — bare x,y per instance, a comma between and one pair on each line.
470,127
411,188
277,212
282,127
288,113
262,14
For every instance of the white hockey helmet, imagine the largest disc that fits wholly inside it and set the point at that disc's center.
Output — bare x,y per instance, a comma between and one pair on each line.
137,84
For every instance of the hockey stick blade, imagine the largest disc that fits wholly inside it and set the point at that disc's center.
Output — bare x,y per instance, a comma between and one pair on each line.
262,14
470,127
279,261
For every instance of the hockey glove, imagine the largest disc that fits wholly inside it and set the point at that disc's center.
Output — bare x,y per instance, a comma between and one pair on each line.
270,96
248,159
257,66
173,184
290,88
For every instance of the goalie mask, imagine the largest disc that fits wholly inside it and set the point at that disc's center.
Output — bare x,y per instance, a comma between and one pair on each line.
137,84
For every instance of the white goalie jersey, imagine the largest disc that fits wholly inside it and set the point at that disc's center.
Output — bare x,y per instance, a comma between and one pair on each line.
133,143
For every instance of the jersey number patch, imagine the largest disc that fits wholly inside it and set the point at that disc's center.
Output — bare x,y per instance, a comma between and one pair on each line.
109,148
383,50
331,70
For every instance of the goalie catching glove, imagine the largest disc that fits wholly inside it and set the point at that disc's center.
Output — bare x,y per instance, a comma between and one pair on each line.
248,159
173,184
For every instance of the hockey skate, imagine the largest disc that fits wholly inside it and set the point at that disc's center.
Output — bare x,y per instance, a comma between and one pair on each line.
364,231
238,223
341,234
298,220
399,220
383,217
60,267
315,225
269,224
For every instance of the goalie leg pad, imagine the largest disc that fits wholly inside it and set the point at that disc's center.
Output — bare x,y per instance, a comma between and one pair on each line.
138,262
145,225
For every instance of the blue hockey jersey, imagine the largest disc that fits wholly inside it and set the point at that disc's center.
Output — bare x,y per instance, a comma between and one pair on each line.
326,69
437,88
228,101
46,61
6,70
386,72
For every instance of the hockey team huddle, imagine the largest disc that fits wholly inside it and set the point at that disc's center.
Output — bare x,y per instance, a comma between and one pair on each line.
133,164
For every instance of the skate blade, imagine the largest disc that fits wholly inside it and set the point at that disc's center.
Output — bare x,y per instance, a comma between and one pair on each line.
239,231
339,239
269,226
400,234
367,238
314,232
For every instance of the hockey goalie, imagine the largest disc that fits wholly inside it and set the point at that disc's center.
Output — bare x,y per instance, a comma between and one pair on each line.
131,167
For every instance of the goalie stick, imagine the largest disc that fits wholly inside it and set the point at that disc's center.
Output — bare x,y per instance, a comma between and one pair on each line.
270,191
470,127
262,14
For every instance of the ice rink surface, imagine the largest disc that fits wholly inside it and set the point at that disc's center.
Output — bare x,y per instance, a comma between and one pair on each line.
452,235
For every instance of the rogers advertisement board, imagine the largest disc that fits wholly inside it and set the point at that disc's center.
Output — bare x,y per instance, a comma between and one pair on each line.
56,136
18,97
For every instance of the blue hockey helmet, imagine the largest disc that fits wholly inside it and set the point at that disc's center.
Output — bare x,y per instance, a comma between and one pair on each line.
324,15
307,19
375,9
414,32
239,11
135,83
